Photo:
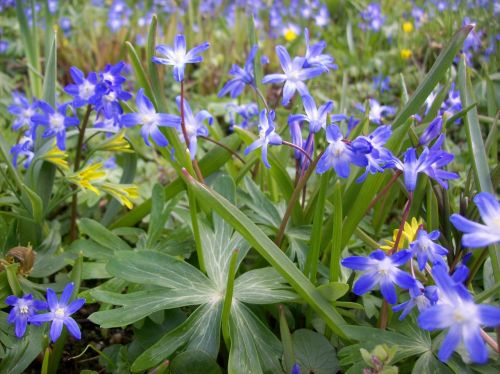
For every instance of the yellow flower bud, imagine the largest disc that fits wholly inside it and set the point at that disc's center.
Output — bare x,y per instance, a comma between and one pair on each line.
407,27
405,53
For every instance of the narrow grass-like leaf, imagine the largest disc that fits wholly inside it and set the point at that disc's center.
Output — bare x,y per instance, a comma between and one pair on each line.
437,72
101,235
142,80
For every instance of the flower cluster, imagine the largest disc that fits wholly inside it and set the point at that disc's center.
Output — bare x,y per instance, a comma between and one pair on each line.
25,311
447,304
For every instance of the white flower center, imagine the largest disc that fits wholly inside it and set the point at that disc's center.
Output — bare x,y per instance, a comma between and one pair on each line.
148,118
108,77
56,121
110,97
465,313
23,309
86,90
59,313
385,266
338,148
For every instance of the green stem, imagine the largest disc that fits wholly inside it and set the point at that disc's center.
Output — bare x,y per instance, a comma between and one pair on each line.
228,298
74,202
311,265
196,228
337,234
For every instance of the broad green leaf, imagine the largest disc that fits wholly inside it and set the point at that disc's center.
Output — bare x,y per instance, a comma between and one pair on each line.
429,364
194,362
101,235
333,290
148,267
201,331
254,349
138,305
263,286
314,353
36,204
271,253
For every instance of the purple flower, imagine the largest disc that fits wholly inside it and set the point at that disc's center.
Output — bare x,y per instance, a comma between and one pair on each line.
85,90
177,56
194,125
432,131
457,312
60,312
381,83
420,297
339,154
372,18
314,57
372,146
248,112
476,234
381,270
267,135
377,111
23,148
150,120
109,103
23,308
242,77
23,110
315,116
55,122
425,249
294,74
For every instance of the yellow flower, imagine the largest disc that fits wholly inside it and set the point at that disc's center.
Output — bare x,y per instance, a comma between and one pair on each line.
290,34
405,53
86,176
57,157
407,27
408,236
116,143
122,192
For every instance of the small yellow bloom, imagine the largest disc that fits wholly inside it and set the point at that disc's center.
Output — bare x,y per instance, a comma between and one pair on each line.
408,236
122,192
86,176
116,143
57,157
405,53
290,34
407,27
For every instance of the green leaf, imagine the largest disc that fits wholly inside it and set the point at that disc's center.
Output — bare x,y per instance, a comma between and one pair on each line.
194,362
314,353
254,349
263,286
50,77
142,80
333,290
201,331
429,364
436,74
271,253
101,235
36,204
154,268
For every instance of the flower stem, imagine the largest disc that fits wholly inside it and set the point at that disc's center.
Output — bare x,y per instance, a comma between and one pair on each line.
384,190
228,298
261,96
293,199
402,225
223,146
300,149
74,202
489,340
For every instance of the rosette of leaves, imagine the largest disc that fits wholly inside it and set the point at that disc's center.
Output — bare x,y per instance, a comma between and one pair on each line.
168,282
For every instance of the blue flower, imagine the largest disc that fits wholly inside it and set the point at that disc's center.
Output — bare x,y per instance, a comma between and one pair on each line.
314,57
55,122
381,270
316,117
248,112
60,312
381,83
430,162
420,297
150,120
476,234
425,249
85,90
267,135
23,148
339,154
294,74
109,103
23,308
194,125
177,56
372,18
432,131
23,111
242,77
457,312
377,111
372,146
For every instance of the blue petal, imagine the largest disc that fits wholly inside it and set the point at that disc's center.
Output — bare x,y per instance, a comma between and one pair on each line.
357,262
75,306
489,315
72,327
40,318
56,329
52,299
274,78
388,291
289,89
20,327
66,295
158,137
488,207
284,57
365,283
449,344
403,279
192,57
436,317
130,119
